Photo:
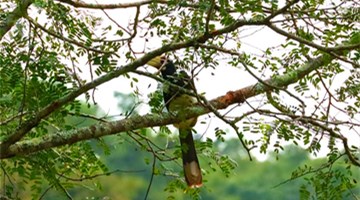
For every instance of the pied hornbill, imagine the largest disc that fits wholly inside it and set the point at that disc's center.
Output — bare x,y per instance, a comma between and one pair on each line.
176,101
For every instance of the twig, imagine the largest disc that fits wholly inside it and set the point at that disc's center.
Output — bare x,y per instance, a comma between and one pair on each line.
281,10
329,50
63,38
2,123
98,175
309,172
209,15
44,193
87,116
231,52
232,124
324,85
31,48
149,147
151,177
115,22
331,132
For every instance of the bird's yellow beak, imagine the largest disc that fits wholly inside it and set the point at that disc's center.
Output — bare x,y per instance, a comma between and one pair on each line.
156,62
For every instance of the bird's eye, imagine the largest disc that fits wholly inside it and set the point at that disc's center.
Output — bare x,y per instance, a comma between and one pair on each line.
163,59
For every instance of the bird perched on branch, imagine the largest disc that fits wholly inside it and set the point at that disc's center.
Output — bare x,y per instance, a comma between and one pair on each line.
175,101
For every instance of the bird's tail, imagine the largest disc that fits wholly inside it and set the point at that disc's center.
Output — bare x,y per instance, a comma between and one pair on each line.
191,165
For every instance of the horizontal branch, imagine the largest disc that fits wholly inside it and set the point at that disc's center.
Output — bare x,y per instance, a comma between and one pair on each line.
81,4
151,120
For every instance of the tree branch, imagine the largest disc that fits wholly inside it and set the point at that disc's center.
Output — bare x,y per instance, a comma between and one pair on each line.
282,10
47,110
98,175
333,51
150,120
63,38
13,16
81,4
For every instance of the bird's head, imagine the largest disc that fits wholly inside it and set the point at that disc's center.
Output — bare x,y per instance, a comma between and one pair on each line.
164,65
158,62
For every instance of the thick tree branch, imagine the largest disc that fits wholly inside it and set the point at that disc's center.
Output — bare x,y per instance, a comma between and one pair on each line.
13,16
150,120
81,4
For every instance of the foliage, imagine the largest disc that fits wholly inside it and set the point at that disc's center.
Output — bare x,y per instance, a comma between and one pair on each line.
261,179
55,54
